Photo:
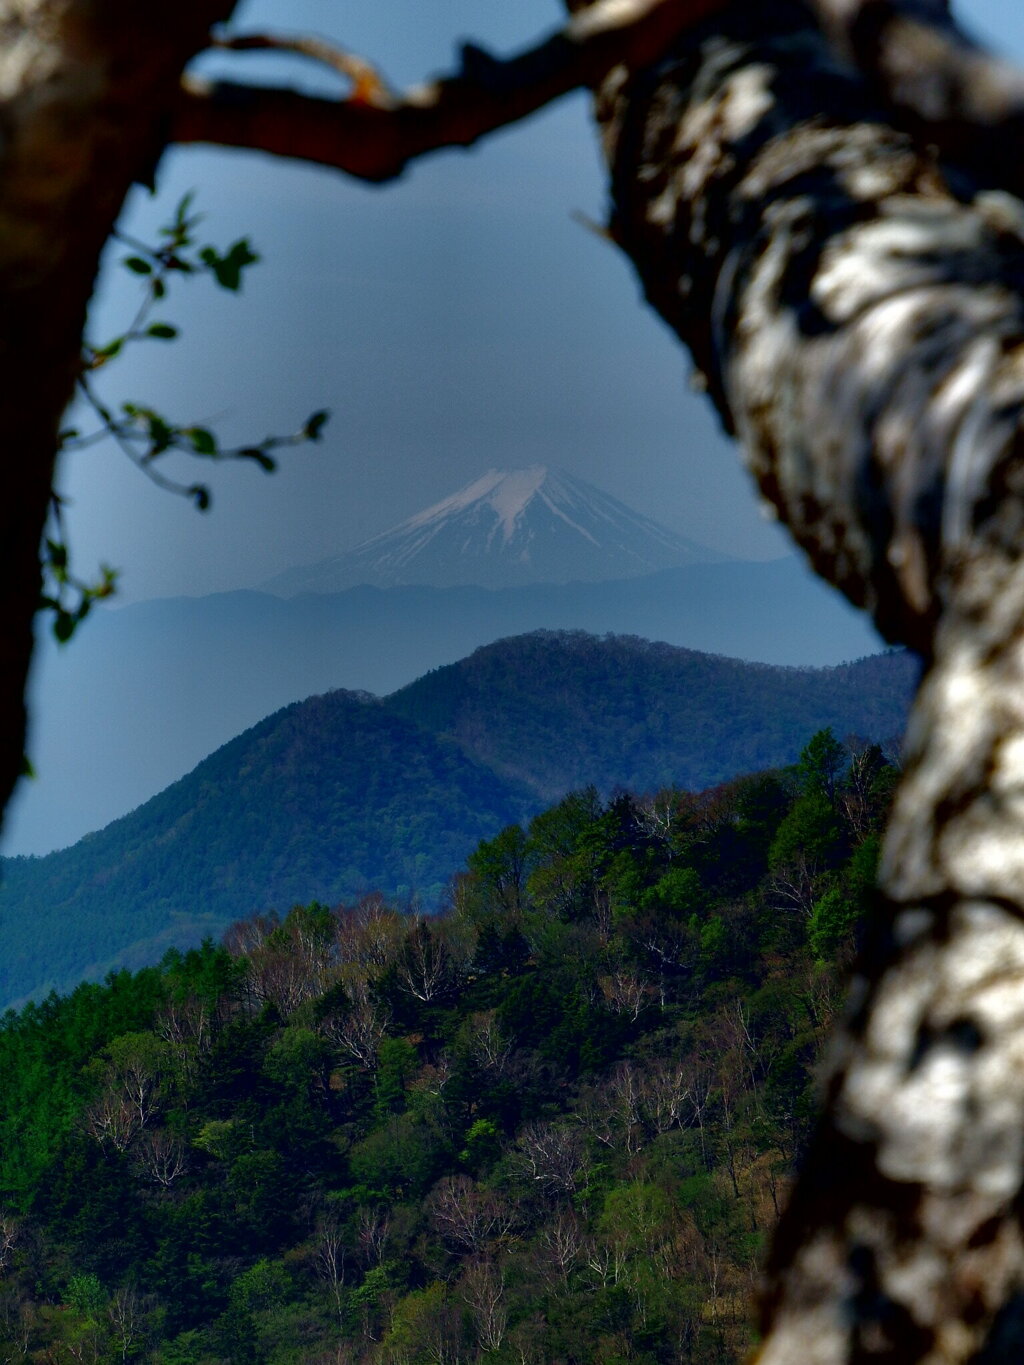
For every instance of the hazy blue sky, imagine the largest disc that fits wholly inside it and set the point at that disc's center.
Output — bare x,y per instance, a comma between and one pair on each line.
455,320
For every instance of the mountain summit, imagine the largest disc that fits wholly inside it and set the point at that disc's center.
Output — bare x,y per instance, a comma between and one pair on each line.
508,528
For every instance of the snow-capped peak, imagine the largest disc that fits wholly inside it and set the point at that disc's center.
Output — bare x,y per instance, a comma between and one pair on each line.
507,492
506,528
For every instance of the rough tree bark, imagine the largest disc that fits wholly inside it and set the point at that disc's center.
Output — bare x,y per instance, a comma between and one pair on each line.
855,307
810,204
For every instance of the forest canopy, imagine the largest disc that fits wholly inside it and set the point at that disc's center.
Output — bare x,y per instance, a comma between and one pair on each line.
554,1124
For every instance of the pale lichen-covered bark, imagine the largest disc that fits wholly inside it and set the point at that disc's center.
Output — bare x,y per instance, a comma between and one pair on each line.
855,308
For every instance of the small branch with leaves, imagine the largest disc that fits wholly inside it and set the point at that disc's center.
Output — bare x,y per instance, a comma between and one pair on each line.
68,597
142,433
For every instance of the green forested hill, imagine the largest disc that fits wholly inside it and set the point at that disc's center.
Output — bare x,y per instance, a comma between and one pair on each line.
556,710
344,793
554,1125
330,797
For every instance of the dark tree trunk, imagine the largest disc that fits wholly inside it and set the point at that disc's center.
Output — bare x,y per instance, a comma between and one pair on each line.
86,96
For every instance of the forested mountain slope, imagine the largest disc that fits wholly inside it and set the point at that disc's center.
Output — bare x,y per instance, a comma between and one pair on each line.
344,793
553,1126
556,710
330,797
249,653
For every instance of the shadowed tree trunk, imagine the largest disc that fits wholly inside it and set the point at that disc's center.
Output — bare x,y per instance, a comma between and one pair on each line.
822,216
86,97
855,309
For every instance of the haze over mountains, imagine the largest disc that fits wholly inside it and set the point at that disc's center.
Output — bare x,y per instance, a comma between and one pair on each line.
506,529
145,692
344,793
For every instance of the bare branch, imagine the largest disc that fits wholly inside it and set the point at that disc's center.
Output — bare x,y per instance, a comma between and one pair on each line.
376,138
368,86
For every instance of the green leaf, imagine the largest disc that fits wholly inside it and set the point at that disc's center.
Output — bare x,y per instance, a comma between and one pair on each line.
101,354
228,269
315,424
138,265
64,626
203,441
259,456
163,331
200,495
180,229
27,769
159,288
160,434
58,554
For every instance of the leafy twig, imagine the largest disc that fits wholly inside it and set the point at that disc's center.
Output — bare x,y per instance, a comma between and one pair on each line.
142,433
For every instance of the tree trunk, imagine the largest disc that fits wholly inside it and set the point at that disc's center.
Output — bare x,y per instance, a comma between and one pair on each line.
855,310
86,94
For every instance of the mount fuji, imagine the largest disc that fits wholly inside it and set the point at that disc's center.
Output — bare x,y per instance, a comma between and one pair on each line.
508,528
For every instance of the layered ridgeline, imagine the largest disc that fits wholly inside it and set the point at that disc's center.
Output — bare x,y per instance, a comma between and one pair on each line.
150,689
332,797
506,529
344,793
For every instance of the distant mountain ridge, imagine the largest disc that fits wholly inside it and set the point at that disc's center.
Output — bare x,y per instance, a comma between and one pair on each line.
556,710
344,793
508,528
164,683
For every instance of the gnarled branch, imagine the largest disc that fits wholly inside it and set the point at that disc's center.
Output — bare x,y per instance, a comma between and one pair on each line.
376,139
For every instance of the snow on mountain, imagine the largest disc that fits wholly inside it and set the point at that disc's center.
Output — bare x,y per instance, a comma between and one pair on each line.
507,528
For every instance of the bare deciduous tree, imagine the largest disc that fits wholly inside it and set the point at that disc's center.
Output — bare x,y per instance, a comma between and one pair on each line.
482,1289
330,1252
10,1226
555,1156
562,1241
162,1156
470,1216
357,1027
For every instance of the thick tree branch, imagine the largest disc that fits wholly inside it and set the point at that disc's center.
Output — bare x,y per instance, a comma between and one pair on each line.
933,80
375,140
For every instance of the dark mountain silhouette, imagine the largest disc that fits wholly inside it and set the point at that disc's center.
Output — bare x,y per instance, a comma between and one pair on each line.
557,710
327,799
